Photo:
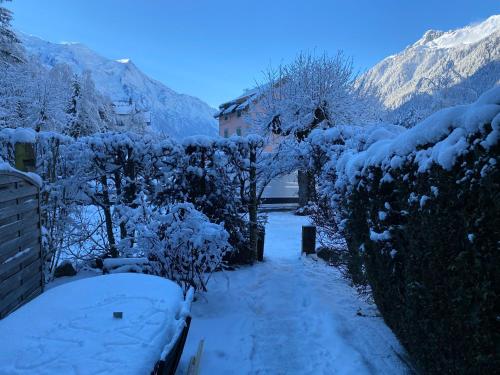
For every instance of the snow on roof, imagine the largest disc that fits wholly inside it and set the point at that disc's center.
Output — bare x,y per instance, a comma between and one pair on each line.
439,139
238,104
70,329
229,109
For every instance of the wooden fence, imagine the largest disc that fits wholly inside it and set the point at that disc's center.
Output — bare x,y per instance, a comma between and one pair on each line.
21,277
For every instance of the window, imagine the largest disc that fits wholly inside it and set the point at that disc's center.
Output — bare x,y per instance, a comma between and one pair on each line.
226,117
238,113
226,133
238,131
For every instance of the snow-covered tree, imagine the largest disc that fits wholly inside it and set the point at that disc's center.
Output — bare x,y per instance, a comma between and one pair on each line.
9,43
183,245
311,92
85,111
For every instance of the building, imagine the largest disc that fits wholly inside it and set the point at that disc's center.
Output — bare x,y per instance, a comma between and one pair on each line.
129,115
234,117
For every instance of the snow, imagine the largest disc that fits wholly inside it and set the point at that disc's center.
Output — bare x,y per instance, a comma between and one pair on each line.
74,331
19,135
384,236
6,167
17,255
439,139
288,315
172,113
467,35
413,79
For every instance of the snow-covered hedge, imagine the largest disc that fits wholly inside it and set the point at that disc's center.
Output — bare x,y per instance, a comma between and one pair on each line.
98,190
421,210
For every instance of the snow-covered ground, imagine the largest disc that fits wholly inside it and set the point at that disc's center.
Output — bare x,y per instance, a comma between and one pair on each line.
288,315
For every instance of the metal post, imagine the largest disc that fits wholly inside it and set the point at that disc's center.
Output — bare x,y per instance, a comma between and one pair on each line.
308,239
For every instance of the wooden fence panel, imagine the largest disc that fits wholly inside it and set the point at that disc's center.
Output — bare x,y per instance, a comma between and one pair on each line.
21,277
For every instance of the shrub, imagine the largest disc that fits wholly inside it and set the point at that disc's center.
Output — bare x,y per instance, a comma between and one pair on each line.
183,245
423,214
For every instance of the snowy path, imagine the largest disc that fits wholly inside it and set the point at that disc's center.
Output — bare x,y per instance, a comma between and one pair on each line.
288,315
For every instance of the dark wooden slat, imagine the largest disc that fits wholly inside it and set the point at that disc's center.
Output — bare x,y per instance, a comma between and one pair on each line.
20,263
22,176
21,277
18,209
8,179
12,247
21,216
8,231
22,300
18,278
17,296
18,200
14,193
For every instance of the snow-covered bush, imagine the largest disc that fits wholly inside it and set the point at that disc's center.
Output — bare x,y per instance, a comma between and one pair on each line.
421,210
183,245
321,151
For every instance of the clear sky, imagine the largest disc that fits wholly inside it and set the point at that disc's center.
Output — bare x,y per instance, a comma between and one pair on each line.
215,49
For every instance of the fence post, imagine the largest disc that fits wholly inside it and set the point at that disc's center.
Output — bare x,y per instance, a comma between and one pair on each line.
25,157
260,243
308,239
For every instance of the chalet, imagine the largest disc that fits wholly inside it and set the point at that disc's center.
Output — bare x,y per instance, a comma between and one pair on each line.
130,115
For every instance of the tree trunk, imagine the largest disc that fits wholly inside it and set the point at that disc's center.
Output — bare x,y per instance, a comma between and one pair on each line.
307,187
303,180
118,187
252,206
106,206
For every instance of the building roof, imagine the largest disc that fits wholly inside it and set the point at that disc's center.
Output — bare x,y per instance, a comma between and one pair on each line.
239,104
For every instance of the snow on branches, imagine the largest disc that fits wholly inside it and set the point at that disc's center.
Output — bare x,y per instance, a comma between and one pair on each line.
183,245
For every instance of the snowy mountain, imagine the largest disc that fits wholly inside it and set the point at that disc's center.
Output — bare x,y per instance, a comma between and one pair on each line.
174,114
440,69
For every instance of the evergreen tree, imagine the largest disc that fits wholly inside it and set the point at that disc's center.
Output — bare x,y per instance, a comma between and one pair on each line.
9,43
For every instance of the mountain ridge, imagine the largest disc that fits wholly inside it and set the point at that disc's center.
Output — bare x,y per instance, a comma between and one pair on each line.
176,114
440,69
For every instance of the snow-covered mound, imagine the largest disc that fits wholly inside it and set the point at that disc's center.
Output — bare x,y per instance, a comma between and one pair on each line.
174,114
465,62
70,329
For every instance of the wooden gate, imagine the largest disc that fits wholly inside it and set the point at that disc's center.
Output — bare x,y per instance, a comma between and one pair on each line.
21,277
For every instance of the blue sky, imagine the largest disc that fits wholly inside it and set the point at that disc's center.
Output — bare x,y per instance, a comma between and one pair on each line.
215,49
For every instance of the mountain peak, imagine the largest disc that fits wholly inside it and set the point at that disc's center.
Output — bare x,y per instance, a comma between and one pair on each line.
463,36
124,61
440,69
430,35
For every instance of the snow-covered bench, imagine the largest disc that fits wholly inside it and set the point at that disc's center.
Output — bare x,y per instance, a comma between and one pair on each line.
112,324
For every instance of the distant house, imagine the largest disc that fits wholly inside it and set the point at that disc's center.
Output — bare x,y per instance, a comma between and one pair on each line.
128,114
234,117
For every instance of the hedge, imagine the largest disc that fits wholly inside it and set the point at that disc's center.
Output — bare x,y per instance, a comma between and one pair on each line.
429,239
